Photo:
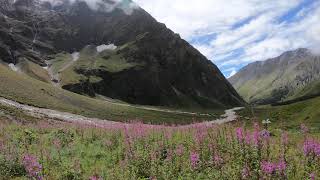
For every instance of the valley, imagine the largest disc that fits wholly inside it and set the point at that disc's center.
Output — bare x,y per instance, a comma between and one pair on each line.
33,92
101,89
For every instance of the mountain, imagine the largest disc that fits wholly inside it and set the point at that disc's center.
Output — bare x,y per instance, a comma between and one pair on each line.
112,48
294,74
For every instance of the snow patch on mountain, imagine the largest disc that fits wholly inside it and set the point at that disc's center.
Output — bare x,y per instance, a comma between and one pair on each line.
104,47
75,56
13,67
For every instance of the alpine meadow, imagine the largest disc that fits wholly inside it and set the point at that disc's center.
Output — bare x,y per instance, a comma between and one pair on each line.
159,89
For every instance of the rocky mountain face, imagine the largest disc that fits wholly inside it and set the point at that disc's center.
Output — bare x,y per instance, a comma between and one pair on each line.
146,64
292,75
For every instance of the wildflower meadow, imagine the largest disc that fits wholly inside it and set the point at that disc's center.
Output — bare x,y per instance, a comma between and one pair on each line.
60,150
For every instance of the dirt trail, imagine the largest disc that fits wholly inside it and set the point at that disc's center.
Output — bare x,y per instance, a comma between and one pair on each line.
75,57
53,114
55,78
230,114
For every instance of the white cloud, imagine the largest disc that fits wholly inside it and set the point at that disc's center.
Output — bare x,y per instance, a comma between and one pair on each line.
196,17
258,36
232,73
127,6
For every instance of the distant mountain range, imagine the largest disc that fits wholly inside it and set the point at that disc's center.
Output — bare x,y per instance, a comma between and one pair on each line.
294,74
117,53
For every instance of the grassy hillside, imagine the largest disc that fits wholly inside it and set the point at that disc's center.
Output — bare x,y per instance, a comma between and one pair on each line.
289,116
89,59
311,89
34,70
37,93
292,75
59,61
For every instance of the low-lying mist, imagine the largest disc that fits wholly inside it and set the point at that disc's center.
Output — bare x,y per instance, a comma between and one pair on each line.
106,5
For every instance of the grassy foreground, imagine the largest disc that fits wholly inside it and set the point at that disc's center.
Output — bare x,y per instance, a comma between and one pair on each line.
41,149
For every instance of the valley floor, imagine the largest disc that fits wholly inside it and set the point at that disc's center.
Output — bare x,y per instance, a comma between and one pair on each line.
40,143
36,112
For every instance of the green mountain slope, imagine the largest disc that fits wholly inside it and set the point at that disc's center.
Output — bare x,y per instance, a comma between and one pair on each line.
292,75
27,90
151,66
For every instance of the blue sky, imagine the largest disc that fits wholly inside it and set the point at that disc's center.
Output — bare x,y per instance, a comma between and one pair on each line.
234,33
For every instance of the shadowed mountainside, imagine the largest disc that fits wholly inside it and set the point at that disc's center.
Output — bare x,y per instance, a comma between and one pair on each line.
151,65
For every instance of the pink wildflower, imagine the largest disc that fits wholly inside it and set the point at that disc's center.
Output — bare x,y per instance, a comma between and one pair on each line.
239,134
248,138
168,134
200,134
312,176
95,177
180,150
194,159
284,138
245,172
270,168
32,166
255,137
265,134
311,147
217,160
267,167
281,166
317,150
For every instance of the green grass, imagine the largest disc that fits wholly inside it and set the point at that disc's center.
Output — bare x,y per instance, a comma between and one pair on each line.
289,116
34,70
59,61
313,88
112,62
136,151
33,92
90,59
256,88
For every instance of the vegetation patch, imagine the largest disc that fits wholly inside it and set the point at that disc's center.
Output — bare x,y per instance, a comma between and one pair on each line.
58,150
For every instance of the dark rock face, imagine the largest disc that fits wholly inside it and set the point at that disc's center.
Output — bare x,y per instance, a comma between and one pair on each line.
174,73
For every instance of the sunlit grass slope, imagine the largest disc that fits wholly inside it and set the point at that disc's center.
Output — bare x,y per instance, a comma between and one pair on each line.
290,116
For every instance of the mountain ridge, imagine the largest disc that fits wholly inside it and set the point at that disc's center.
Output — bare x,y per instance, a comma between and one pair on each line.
151,66
291,75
